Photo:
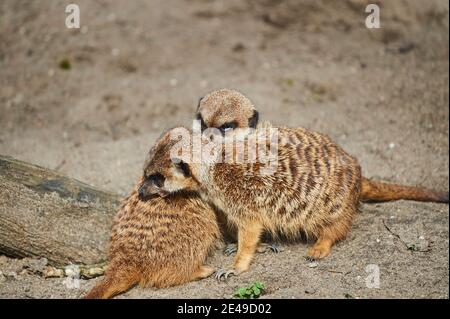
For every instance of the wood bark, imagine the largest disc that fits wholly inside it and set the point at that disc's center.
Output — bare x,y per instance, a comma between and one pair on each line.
46,214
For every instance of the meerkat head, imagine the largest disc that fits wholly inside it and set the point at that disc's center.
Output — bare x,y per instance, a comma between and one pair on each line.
226,109
164,171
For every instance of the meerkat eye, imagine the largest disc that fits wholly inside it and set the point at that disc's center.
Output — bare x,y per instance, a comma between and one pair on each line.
157,179
183,167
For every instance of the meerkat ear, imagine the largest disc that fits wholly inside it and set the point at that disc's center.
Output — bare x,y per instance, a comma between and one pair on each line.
253,121
199,100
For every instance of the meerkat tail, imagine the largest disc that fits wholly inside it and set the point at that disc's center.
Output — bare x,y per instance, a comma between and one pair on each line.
373,191
111,285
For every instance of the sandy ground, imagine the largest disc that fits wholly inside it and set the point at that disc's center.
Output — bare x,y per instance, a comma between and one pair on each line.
138,67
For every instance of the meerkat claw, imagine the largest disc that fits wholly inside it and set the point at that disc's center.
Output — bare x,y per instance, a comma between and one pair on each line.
230,249
274,248
224,273
262,248
230,272
310,259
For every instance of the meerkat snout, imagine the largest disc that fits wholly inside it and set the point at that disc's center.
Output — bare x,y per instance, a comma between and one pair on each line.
151,185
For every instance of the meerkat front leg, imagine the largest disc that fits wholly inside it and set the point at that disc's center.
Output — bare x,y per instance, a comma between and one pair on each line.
249,233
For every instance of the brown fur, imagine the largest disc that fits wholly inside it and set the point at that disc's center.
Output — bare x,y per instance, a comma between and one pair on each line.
225,105
159,242
315,190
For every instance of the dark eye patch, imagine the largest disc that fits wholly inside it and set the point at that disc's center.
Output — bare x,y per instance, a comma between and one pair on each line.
202,122
184,167
230,125
253,121
157,179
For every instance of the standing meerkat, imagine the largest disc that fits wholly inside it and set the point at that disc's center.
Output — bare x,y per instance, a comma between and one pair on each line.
314,189
158,240
229,109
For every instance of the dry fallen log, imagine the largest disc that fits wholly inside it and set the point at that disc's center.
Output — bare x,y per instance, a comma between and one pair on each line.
46,214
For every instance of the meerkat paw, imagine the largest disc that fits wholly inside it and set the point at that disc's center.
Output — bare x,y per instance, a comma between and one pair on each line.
262,248
225,273
318,251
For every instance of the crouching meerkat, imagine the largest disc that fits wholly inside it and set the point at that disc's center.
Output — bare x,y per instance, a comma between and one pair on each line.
226,109
158,240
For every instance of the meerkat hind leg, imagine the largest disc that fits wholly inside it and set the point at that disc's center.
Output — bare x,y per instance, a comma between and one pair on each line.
248,237
320,249
329,235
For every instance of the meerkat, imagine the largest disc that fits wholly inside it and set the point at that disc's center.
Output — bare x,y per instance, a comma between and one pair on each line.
226,109
158,241
315,190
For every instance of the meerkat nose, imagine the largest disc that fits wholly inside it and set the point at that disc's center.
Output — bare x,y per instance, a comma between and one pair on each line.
141,192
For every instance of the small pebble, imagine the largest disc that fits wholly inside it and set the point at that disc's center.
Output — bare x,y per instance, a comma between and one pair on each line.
266,65
18,98
12,274
391,145
111,17
3,259
313,264
115,52
72,271
173,82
